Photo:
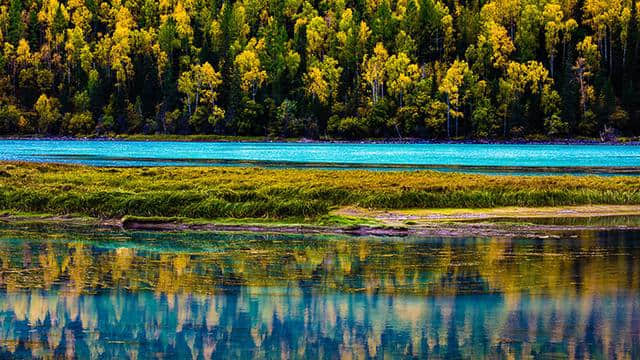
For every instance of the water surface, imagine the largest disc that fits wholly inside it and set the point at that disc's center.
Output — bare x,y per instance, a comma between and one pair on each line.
211,295
470,157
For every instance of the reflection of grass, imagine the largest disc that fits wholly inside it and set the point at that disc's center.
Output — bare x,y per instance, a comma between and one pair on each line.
540,211
337,220
324,220
255,194
17,218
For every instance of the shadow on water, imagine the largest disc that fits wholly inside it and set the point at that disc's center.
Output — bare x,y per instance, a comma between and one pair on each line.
204,295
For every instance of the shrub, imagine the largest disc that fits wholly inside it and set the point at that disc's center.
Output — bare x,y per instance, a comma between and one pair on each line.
81,124
349,127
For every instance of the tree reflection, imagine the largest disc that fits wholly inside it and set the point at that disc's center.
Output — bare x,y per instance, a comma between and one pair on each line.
139,295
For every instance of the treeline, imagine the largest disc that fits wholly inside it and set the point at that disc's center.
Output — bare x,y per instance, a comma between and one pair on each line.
337,68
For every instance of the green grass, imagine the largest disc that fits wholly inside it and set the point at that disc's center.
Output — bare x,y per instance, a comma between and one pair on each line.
242,193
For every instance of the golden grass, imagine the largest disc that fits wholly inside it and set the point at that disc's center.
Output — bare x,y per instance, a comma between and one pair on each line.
214,192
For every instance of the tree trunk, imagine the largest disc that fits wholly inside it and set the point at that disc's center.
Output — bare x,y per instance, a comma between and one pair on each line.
448,117
564,54
456,126
197,99
504,126
610,55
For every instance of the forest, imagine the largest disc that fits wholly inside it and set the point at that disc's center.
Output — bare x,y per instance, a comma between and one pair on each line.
321,69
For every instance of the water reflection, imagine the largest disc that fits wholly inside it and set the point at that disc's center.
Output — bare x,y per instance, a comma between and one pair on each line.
592,221
215,295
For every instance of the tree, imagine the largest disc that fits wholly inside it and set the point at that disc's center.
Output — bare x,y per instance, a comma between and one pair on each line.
78,52
200,84
321,80
532,77
449,39
248,65
528,33
375,71
503,12
16,25
450,87
556,30
625,21
183,21
80,15
48,110
317,32
401,73
553,26
189,86
500,43
603,18
210,80
587,62
426,27
119,53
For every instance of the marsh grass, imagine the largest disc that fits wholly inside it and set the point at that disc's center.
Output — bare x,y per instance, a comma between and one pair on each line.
224,192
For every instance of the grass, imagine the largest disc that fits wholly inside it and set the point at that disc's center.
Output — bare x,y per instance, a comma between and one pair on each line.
256,193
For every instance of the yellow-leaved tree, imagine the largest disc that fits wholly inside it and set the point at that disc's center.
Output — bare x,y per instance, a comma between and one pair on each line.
450,87
374,68
401,74
501,44
199,85
587,62
321,80
121,47
249,68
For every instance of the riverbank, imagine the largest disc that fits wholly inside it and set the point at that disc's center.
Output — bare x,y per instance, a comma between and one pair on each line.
501,222
296,197
262,139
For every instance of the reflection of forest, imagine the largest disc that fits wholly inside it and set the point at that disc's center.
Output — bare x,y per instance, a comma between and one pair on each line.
119,324
287,295
591,263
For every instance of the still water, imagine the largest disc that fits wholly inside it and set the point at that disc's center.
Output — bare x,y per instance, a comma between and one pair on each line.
208,295
471,157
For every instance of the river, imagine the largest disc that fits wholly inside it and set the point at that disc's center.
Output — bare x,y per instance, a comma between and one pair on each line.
105,294
483,158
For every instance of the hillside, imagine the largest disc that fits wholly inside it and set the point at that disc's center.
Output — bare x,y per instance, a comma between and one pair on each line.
339,69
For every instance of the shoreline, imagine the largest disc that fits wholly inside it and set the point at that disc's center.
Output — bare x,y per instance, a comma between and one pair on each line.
258,139
362,222
508,170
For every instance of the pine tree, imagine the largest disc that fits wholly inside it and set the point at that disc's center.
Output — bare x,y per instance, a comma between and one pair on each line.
16,26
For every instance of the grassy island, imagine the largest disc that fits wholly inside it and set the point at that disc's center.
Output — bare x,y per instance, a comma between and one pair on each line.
306,196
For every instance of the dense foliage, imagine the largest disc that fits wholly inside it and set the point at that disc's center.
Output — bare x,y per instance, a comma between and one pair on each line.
254,192
351,69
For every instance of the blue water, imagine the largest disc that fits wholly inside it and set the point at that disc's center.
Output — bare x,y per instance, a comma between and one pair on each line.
214,295
129,153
